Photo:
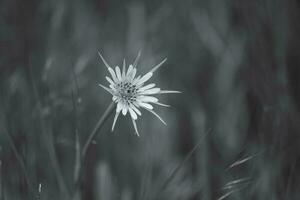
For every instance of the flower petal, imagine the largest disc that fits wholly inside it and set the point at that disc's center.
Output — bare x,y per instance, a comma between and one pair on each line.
124,69
161,104
124,110
136,80
169,92
129,70
115,120
103,60
135,103
132,74
146,87
146,105
145,78
113,75
148,99
119,107
135,127
135,109
109,80
112,87
105,88
151,91
118,72
154,113
132,114
136,59
158,65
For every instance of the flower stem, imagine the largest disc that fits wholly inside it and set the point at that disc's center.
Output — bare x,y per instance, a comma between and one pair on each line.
79,162
100,123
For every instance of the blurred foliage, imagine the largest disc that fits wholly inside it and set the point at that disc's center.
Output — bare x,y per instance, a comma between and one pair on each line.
237,63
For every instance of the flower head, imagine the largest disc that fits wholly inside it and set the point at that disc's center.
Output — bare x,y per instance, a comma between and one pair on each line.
131,93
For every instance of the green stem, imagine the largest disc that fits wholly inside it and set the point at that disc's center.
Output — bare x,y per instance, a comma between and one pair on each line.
79,163
100,123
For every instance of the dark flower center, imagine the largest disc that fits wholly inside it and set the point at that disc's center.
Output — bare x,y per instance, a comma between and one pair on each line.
127,91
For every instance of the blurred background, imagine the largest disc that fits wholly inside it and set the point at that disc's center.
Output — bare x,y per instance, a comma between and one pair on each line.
233,133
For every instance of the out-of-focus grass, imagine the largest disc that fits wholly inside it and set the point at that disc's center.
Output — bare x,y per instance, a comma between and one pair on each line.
236,62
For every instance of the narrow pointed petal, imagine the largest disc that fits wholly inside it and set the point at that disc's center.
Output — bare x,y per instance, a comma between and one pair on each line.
148,99
109,80
146,87
136,59
146,105
133,73
161,104
145,78
105,88
154,113
132,114
118,72
136,110
135,127
158,65
124,110
151,91
136,80
169,92
113,75
129,70
103,60
136,104
119,107
124,69
111,87
115,120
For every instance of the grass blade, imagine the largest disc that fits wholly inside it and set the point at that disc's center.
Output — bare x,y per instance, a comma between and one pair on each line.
178,167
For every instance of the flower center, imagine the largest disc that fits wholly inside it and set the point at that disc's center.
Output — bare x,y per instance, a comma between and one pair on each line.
127,91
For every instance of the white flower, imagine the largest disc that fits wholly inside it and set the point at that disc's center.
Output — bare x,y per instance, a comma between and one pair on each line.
131,93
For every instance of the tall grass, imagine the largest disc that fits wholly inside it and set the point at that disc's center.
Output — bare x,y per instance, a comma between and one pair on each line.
236,62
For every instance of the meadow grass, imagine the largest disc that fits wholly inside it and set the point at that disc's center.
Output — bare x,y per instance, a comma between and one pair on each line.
233,133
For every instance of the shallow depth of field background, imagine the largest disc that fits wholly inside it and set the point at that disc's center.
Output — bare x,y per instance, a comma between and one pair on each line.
237,63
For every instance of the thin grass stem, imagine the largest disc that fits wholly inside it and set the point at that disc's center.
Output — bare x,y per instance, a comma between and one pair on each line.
79,162
20,161
49,137
178,167
98,126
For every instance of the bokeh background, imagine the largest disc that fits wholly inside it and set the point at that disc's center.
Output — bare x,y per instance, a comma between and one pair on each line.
233,133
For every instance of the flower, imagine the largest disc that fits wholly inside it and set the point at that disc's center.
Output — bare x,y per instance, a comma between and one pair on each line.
131,93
